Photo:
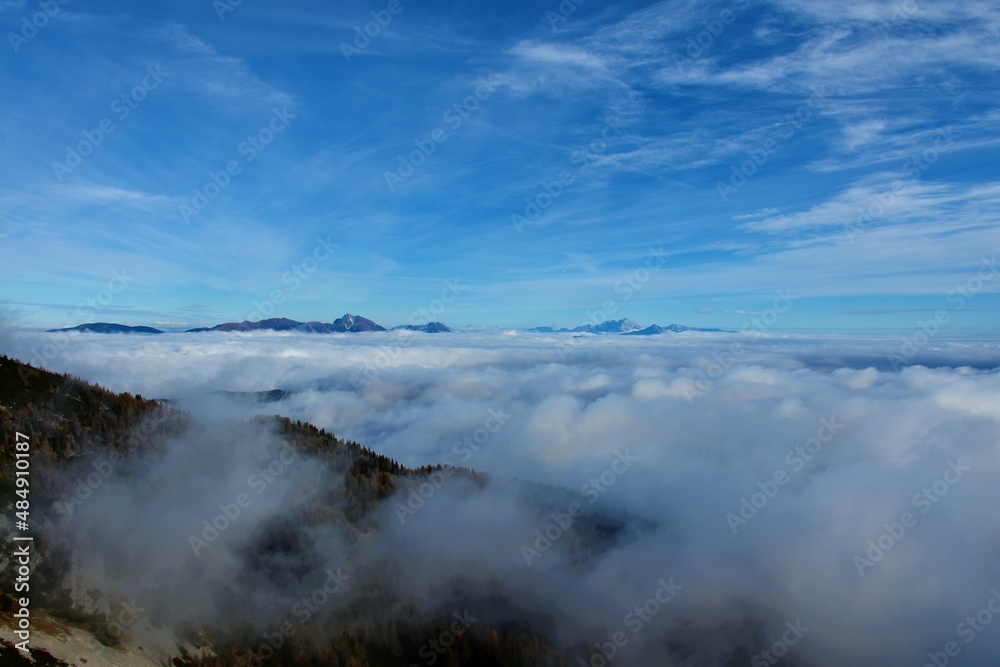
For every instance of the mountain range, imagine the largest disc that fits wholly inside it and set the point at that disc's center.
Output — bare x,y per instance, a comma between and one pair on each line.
625,327
108,328
655,329
430,327
346,324
356,324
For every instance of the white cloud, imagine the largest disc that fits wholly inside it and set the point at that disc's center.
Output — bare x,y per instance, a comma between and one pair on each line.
201,66
863,133
570,406
891,199
557,55
567,407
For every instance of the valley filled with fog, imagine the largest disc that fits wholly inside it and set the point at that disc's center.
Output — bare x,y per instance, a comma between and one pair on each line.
828,496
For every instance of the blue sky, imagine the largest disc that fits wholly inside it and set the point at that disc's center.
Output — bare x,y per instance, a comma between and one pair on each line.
668,162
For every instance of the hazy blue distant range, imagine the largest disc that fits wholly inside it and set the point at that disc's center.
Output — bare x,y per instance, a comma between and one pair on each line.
108,328
357,324
625,327
346,324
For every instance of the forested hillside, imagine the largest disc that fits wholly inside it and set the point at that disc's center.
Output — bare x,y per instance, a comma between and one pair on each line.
72,424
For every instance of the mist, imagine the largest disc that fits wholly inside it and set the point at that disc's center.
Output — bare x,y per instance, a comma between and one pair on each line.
825,499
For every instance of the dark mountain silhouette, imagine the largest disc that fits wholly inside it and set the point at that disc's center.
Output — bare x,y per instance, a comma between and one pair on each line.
357,324
108,328
625,327
607,326
347,323
430,327
655,329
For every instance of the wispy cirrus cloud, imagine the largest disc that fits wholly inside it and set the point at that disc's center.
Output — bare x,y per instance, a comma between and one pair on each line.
694,96
874,203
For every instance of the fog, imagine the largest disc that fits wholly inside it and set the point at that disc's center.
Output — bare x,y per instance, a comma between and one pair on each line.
827,498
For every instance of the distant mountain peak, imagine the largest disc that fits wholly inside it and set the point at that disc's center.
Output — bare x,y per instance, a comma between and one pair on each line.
625,326
108,328
430,327
356,323
655,329
347,323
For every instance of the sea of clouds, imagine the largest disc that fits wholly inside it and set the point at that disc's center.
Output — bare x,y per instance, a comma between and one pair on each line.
817,499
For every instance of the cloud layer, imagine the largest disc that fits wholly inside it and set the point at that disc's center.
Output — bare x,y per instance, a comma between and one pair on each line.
814,481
